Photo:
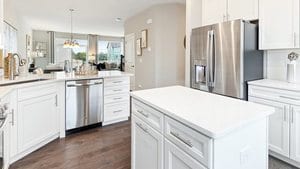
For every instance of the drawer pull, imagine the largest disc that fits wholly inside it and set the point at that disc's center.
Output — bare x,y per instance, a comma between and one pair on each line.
292,114
117,111
117,90
185,141
285,97
142,112
117,98
143,128
117,81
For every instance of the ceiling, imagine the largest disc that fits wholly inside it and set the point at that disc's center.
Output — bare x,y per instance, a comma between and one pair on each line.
90,16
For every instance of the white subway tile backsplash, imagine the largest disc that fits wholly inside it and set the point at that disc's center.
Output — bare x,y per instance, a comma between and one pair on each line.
277,64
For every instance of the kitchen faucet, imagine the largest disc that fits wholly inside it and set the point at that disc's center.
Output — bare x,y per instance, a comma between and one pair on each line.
22,62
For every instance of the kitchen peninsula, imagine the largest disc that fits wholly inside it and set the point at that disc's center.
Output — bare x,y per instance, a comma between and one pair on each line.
35,107
178,127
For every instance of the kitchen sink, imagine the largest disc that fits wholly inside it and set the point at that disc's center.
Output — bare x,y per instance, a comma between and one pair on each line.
22,82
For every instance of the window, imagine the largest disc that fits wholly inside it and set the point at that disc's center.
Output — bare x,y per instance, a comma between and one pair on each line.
110,51
78,55
10,39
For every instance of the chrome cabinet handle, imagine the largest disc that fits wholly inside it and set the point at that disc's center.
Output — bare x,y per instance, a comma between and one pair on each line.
142,127
117,98
185,141
12,117
292,114
286,97
295,39
144,114
117,90
117,82
56,100
117,111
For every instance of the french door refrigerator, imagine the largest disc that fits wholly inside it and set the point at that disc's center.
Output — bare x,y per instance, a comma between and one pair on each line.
224,57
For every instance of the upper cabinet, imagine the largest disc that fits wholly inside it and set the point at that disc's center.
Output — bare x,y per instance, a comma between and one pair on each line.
1,23
215,11
279,24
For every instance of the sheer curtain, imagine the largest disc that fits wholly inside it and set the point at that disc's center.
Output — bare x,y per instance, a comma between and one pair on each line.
10,39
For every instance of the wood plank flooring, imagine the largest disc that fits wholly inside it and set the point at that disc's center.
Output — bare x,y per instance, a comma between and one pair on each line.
100,148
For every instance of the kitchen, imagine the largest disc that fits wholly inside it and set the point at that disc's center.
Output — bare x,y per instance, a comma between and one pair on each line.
112,96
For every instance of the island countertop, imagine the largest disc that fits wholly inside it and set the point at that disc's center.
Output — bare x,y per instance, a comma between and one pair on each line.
210,114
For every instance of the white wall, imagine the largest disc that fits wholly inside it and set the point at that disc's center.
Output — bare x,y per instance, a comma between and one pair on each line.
162,64
276,64
193,20
12,17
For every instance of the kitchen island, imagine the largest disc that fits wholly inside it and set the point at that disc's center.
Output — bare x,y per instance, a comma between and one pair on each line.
178,127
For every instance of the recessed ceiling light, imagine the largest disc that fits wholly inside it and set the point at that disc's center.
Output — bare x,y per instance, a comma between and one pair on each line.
118,19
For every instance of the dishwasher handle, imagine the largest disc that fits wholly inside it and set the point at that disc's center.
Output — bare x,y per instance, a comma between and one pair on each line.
83,85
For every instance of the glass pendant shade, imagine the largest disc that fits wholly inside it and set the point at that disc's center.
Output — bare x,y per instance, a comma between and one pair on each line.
71,43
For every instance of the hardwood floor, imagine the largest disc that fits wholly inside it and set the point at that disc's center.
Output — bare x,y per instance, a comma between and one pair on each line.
100,148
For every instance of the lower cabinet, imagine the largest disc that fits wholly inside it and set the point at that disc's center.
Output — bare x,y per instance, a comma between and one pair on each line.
38,120
279,128
295,133
177,159
148,150
284,125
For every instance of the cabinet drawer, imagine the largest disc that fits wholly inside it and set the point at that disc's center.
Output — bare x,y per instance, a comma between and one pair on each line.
116,90
118,81
116,111
36,91
151,116
189,140
274,94
116,98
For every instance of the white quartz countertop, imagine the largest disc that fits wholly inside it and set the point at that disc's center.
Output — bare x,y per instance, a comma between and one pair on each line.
51,78
276,84
210,114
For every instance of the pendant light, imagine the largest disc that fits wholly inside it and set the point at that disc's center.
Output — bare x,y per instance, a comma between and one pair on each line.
71,43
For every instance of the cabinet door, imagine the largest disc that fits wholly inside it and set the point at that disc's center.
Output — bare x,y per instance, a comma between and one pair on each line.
37,120
177,159
278,126
295,133
147,146
279,24
242,9
213,11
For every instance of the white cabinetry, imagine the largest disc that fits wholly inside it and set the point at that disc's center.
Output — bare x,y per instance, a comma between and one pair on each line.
147,152
295,133
159,141
34,118
284,125
38,120
279,130
116,99
215,11
178,159
279,24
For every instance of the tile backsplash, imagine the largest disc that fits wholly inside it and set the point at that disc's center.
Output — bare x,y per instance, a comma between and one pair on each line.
276,64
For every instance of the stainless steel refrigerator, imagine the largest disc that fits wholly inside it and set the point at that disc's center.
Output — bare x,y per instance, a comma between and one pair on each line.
224,57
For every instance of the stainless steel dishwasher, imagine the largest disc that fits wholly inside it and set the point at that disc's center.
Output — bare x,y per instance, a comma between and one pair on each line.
84,103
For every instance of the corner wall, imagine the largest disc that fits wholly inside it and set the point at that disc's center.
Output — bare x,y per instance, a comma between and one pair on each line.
162,64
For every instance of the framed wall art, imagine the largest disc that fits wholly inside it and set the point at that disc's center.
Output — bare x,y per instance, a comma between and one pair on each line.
138,47
144,38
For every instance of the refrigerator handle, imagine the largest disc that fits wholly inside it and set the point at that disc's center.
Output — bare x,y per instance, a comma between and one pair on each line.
207,71
211,59
214,51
